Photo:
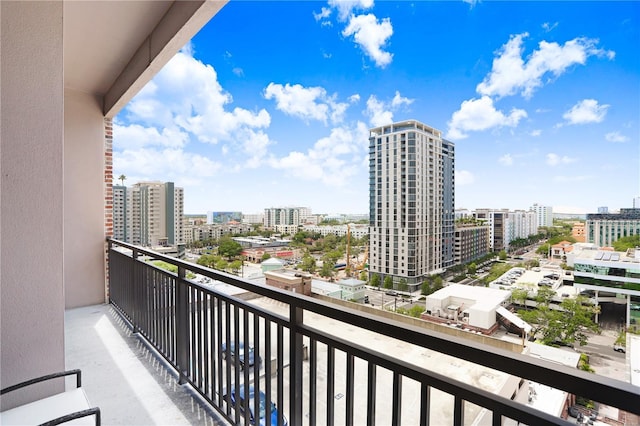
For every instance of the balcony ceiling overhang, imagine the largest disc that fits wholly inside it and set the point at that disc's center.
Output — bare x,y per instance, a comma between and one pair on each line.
113,48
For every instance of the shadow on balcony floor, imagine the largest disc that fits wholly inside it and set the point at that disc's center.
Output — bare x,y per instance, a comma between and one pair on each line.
129,383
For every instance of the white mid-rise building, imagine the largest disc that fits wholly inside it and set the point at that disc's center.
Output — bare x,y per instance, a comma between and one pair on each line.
152,213
285,219
544,215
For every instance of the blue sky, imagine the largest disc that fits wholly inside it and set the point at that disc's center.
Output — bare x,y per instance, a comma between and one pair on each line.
271,103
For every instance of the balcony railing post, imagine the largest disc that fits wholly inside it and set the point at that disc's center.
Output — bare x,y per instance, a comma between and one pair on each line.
182,325
135,291
296,355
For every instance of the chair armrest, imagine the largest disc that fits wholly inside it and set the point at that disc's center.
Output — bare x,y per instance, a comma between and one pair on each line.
45,378
78,414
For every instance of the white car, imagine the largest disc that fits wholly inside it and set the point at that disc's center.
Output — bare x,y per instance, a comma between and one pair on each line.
619,348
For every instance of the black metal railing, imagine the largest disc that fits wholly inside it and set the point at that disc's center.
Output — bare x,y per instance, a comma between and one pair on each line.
285,348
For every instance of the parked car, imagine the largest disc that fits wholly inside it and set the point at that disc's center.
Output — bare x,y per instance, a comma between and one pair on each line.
391,293
241,360
239,398
619,348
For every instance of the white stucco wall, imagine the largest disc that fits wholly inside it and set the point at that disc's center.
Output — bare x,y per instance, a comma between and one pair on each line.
84,236
31,219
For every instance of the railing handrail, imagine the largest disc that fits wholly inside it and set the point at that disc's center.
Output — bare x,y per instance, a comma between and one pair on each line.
605,390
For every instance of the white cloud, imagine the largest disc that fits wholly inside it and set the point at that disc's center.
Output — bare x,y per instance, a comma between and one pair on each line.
371,36
324,13
586,111
464,177
506,160
549,27
616,137
510,73
136,136
346,7
332,160
480,114
184,105
380,112
400,100
354,98
308,103
186,94
170,164
378,115
554,159
535,133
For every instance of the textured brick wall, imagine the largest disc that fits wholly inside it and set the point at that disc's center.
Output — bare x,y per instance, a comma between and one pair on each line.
108,195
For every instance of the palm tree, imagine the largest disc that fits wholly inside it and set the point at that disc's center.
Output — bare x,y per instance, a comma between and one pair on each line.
122,178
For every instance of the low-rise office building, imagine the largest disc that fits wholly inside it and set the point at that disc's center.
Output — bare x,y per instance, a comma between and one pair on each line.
611,276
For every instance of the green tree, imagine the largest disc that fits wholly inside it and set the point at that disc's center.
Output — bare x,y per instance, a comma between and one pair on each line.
326,270
402,285
375,280
472,268
388,282
330,242
416,311
222,264
235,266
122,178
265,256
519,296
208,260
502,255
425,288
544,249
332,256
228,247
308,263
566,325
363,276
625,243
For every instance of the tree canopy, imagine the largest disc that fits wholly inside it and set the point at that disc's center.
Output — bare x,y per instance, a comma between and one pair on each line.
566,325
228,247
625,243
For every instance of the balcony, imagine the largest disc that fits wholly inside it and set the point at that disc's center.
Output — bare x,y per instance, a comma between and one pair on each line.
324,364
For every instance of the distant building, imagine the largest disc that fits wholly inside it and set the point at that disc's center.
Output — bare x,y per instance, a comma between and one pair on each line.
220,218
579,232
496,220
544,215
253,218
150,213
506,226
194,233
295,281
120,212
613,277
602,229
357,230
286,220
471,242
603,210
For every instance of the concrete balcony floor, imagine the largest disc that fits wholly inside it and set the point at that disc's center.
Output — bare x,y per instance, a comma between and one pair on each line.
130,384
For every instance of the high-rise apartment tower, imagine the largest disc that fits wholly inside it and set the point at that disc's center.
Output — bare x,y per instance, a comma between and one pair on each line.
411,202
149,214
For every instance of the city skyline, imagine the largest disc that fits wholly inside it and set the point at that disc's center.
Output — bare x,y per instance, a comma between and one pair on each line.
543,108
